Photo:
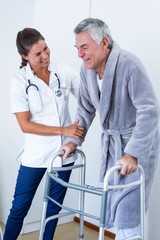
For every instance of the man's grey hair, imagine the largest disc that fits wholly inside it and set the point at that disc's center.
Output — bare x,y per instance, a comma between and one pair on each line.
97,28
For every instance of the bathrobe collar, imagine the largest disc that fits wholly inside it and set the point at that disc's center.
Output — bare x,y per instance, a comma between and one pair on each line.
107,85
102,102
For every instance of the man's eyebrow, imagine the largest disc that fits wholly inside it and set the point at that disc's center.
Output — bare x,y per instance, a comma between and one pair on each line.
83,45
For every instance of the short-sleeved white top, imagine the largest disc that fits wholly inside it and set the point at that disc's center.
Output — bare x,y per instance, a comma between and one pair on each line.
45,108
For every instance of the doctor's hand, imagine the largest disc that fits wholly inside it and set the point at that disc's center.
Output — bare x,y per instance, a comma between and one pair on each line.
74,131
129,164
68,149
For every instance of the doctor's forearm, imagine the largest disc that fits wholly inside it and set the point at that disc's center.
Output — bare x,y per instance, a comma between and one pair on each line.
27,126
40,129
44,130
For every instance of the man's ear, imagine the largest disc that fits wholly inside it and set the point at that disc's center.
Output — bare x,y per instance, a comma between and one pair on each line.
105,42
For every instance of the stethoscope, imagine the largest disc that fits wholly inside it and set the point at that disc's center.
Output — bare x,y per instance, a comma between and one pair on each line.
58,93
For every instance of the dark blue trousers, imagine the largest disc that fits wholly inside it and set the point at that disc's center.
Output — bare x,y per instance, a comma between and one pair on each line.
27,183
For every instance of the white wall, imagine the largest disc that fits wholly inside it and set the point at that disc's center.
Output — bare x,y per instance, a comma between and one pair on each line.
133,24
13,17
57,23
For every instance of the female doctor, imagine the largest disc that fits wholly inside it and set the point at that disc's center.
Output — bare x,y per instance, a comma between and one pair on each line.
39,100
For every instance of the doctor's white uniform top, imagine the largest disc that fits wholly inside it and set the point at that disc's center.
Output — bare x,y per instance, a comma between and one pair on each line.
45,108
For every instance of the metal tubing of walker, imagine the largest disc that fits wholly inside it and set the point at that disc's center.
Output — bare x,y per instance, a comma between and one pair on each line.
103,214
44,209
82,198
140,182
142,192
101,233
103,192
1,234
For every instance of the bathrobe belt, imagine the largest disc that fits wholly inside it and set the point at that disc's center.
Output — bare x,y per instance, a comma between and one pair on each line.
112,143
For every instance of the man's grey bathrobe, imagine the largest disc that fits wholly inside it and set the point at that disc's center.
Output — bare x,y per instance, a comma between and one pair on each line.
129,116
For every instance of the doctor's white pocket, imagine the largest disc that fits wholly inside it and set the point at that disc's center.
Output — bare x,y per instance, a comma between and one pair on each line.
34,100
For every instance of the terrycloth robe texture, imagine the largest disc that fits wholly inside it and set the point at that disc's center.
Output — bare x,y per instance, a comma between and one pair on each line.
129,116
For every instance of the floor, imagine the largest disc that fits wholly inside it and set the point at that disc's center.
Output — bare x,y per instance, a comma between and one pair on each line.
67,231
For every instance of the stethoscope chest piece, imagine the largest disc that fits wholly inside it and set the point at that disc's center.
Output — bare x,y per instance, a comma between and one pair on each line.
58,93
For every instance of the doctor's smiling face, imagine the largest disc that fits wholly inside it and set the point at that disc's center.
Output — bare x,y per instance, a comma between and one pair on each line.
32,47
39,55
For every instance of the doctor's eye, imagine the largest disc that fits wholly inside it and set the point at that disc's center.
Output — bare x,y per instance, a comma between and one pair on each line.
38,54
46,48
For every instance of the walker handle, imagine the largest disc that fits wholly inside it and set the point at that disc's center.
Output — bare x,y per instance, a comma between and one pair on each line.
57,154
119,167
61,153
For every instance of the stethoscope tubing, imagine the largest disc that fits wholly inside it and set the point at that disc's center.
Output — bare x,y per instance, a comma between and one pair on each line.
58,93
31,85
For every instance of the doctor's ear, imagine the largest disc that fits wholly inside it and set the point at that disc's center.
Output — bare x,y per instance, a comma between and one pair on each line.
25,57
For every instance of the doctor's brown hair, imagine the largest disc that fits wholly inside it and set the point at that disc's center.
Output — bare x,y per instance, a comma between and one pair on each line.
25,40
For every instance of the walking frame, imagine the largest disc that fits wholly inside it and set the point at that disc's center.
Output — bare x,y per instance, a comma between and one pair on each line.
52,173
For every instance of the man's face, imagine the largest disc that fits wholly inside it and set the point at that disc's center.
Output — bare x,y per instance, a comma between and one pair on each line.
93,55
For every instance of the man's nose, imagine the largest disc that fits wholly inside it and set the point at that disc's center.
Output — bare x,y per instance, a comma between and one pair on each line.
80,53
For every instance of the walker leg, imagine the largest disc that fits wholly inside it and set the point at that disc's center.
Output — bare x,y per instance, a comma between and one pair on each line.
42,228
103,214
81,227
1,234
44,210
82,196
101,233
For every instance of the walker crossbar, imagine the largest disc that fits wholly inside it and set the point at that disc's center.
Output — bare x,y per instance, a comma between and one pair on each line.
52,173
85,188
73,210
